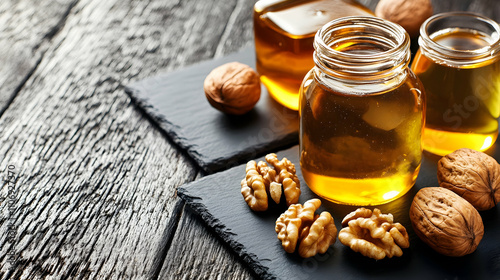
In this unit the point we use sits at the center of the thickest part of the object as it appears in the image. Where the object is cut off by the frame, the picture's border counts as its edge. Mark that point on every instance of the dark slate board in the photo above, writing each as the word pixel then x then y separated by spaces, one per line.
pixel 217 199
pixel 216 141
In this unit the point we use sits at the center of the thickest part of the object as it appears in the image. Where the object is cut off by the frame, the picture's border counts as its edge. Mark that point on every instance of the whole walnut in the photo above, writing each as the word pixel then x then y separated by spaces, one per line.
pixel 446 222
pixel 233 88
pixel 473 175
pixel 410 14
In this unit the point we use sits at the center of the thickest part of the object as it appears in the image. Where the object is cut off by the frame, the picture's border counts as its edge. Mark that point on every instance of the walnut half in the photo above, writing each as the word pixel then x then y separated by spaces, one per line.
pixel 262 181
pixel 253 188
pixel 373 234
pixel 285 170
pixel 300 225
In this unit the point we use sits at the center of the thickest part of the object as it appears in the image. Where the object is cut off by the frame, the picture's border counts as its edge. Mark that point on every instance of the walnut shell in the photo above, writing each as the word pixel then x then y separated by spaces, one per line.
pixel 233 88
pixel 446 222
pixel 410 14
pixel 473 175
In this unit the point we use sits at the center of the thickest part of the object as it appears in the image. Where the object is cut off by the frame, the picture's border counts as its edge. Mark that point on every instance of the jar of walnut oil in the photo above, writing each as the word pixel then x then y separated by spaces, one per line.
pixel 362 113
pixel 459 64
pixel 284 33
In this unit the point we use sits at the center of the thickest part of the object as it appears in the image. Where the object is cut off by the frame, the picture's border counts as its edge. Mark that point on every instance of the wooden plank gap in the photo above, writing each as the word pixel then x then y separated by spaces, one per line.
pixel 20 86
pixel 46 38
pixel 168 236
pixel 60 24
pixel 165 135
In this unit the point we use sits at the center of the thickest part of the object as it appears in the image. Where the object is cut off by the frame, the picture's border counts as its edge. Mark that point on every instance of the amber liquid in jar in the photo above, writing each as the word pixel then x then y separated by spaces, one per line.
pixel 284 34
pixel 362 113
pixel 463 103
pixel 342 164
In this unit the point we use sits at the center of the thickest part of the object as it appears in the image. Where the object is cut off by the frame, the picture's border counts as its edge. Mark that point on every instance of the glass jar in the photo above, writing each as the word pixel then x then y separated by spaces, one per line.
pixel 362 113
pixel 284 34
pixel 459 64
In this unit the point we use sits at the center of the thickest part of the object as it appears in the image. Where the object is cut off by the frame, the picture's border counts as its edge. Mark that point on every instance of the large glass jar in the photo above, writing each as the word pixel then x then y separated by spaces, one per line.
pixel 362 113
pixel 284 34
pixel 459 64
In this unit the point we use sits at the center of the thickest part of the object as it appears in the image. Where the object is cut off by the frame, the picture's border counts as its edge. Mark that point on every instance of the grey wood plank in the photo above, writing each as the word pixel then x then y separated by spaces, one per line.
pixel 167 239
pixel 26 28
pixel 196 253
pixel 95 181
pixel 96 186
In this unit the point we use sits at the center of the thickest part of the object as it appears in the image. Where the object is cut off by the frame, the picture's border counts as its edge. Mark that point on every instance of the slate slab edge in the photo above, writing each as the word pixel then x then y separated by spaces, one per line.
pixel 139 93
pixel 222 231
pixel 152 113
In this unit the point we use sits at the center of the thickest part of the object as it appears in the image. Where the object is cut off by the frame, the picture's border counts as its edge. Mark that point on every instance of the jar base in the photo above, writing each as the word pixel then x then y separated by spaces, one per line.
pixel 360 192
pixel 441 142
pixel 285 91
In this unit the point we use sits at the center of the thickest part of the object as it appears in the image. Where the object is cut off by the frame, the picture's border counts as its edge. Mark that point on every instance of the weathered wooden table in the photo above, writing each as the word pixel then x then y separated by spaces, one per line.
pixel 88 182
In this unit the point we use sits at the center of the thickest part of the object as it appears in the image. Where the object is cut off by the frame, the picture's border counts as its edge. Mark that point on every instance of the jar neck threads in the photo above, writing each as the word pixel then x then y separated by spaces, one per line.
pixel 361 49
pixel 483 30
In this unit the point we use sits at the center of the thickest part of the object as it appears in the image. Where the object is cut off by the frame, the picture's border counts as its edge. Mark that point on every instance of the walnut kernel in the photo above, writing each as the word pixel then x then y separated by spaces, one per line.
pixel 473 175
pixel 446 222
pixel 275 180
pixel 253 188
pixel 233 88
pixel 286 176
pixel 410 14
pixel 300 225
pixel 373 234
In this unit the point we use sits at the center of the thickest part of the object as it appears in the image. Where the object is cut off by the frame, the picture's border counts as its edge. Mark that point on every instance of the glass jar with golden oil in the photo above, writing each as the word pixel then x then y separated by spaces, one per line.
pixel 362 113
pixel 284 33
pixel 459 64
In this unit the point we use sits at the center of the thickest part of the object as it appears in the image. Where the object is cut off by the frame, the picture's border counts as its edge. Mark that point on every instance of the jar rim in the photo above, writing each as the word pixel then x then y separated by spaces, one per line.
pixel 398 32
pixel 459 56
pixel 362 46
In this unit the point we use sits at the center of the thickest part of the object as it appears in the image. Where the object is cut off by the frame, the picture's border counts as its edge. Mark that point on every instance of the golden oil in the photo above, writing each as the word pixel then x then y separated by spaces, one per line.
pixel 284 34
pixel 460 69
pixel 361 114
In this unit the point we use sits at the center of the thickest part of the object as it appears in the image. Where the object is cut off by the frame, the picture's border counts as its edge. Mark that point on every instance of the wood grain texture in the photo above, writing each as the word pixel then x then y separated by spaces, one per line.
pixel 195 253
pixel 198 254
pixel 96 182
pixel 26 29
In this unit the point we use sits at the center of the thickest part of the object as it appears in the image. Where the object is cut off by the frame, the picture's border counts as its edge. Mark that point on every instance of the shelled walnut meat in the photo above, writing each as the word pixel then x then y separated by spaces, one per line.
pixel 233 88
pixel 301 226
pixel 473 175
pixel 373 234
pixel 446 222
pixel 262 181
